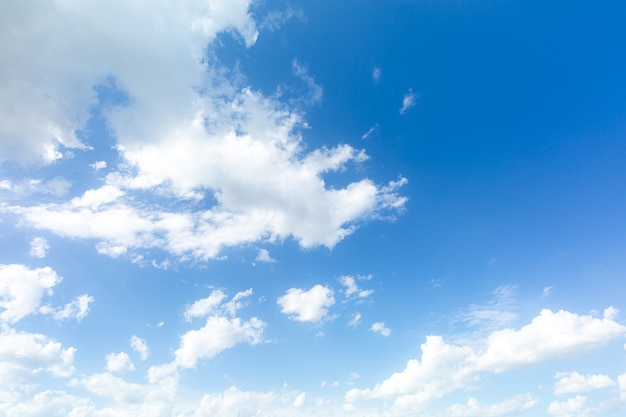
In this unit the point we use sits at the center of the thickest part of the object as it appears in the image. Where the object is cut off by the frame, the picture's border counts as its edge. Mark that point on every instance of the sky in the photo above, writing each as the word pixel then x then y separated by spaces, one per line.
pixel 292 208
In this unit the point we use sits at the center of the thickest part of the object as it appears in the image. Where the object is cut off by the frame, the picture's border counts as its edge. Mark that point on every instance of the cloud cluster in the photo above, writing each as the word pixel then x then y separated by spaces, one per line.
pixel 186 131
pixel 445 367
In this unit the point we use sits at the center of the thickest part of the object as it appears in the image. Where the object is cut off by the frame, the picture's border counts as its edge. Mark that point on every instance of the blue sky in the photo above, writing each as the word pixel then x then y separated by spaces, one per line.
pixel 384 209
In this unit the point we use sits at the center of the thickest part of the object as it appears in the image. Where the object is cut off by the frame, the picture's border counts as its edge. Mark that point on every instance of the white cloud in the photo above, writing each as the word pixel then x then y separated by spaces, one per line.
pixel 547 291
pixel 315 92
pixel 311 305
pixel 76 309
pixel 621 380
pixel 21 290
pixel 571 407
pixel 276 19
pixel 140 346
pixel 300 400
pixel 46 97
pixel 370 132
pixel 205 306
pixel 352 289
pixel 379 327
pixel 548 335
pixel 355 320
pixel 234 401
pixel 115 388
pixel 98 165
pixel 218 334
pixel 186 132
pixel 446 367
pixel 119 363
pixel 376 73
pixel 409 100
pixel 510 407
pixel 574 383
pixel 24 354
pixel 51 403
pixel 38 247
pixel 263 255
pixel 497 313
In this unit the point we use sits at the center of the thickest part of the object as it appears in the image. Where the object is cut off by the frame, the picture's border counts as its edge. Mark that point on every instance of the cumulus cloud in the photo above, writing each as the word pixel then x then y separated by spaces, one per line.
pixel 21 290
pixel 409 100
pixel 379 327
pixel 303 305
pixel 445 367
pixel 46 97
pixel 263 255
pixel 140 346
pixel 51 403
pixel 119 363
pixel 574 383
pixel 300 400
pixel 23 354
pixel 187 132
pixel 38 247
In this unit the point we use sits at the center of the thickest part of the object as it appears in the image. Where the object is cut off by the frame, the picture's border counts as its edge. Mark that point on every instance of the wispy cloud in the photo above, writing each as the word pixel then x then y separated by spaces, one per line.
pixel 376 73
pixel 409 100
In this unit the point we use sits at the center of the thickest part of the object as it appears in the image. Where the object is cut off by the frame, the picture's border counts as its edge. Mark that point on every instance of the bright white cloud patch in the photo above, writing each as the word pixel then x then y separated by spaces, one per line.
pixel 140 346
pixel 119 363
pixel 511 407
pixel 21 290
pixel 303 305
pixel 574 383
pixel 186 132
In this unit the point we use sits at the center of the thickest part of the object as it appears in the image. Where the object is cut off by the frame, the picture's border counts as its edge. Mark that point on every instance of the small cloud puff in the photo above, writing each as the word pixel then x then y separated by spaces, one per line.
pixel 409 100
pixel 263 255
pixel 379 327
pixel 303 305
pixel 376 73
pixel 140 346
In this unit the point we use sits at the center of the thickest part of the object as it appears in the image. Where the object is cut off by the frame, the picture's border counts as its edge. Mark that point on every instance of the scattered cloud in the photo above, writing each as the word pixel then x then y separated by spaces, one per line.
pixel 98 165
pixel 263 255
pixel 39 247
pixel 409 100
pixel 376 73
pixel 575 383
pixel 140 346
pixel 303 305
pixel 352 290
pixel 370 132
pixel 119 363
pixel 355 320
pixel 547 291
pixel 315 92
pixel 76 309
pixel 379 327
pixel 445 367
pixel 277 19
pixel 497 313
